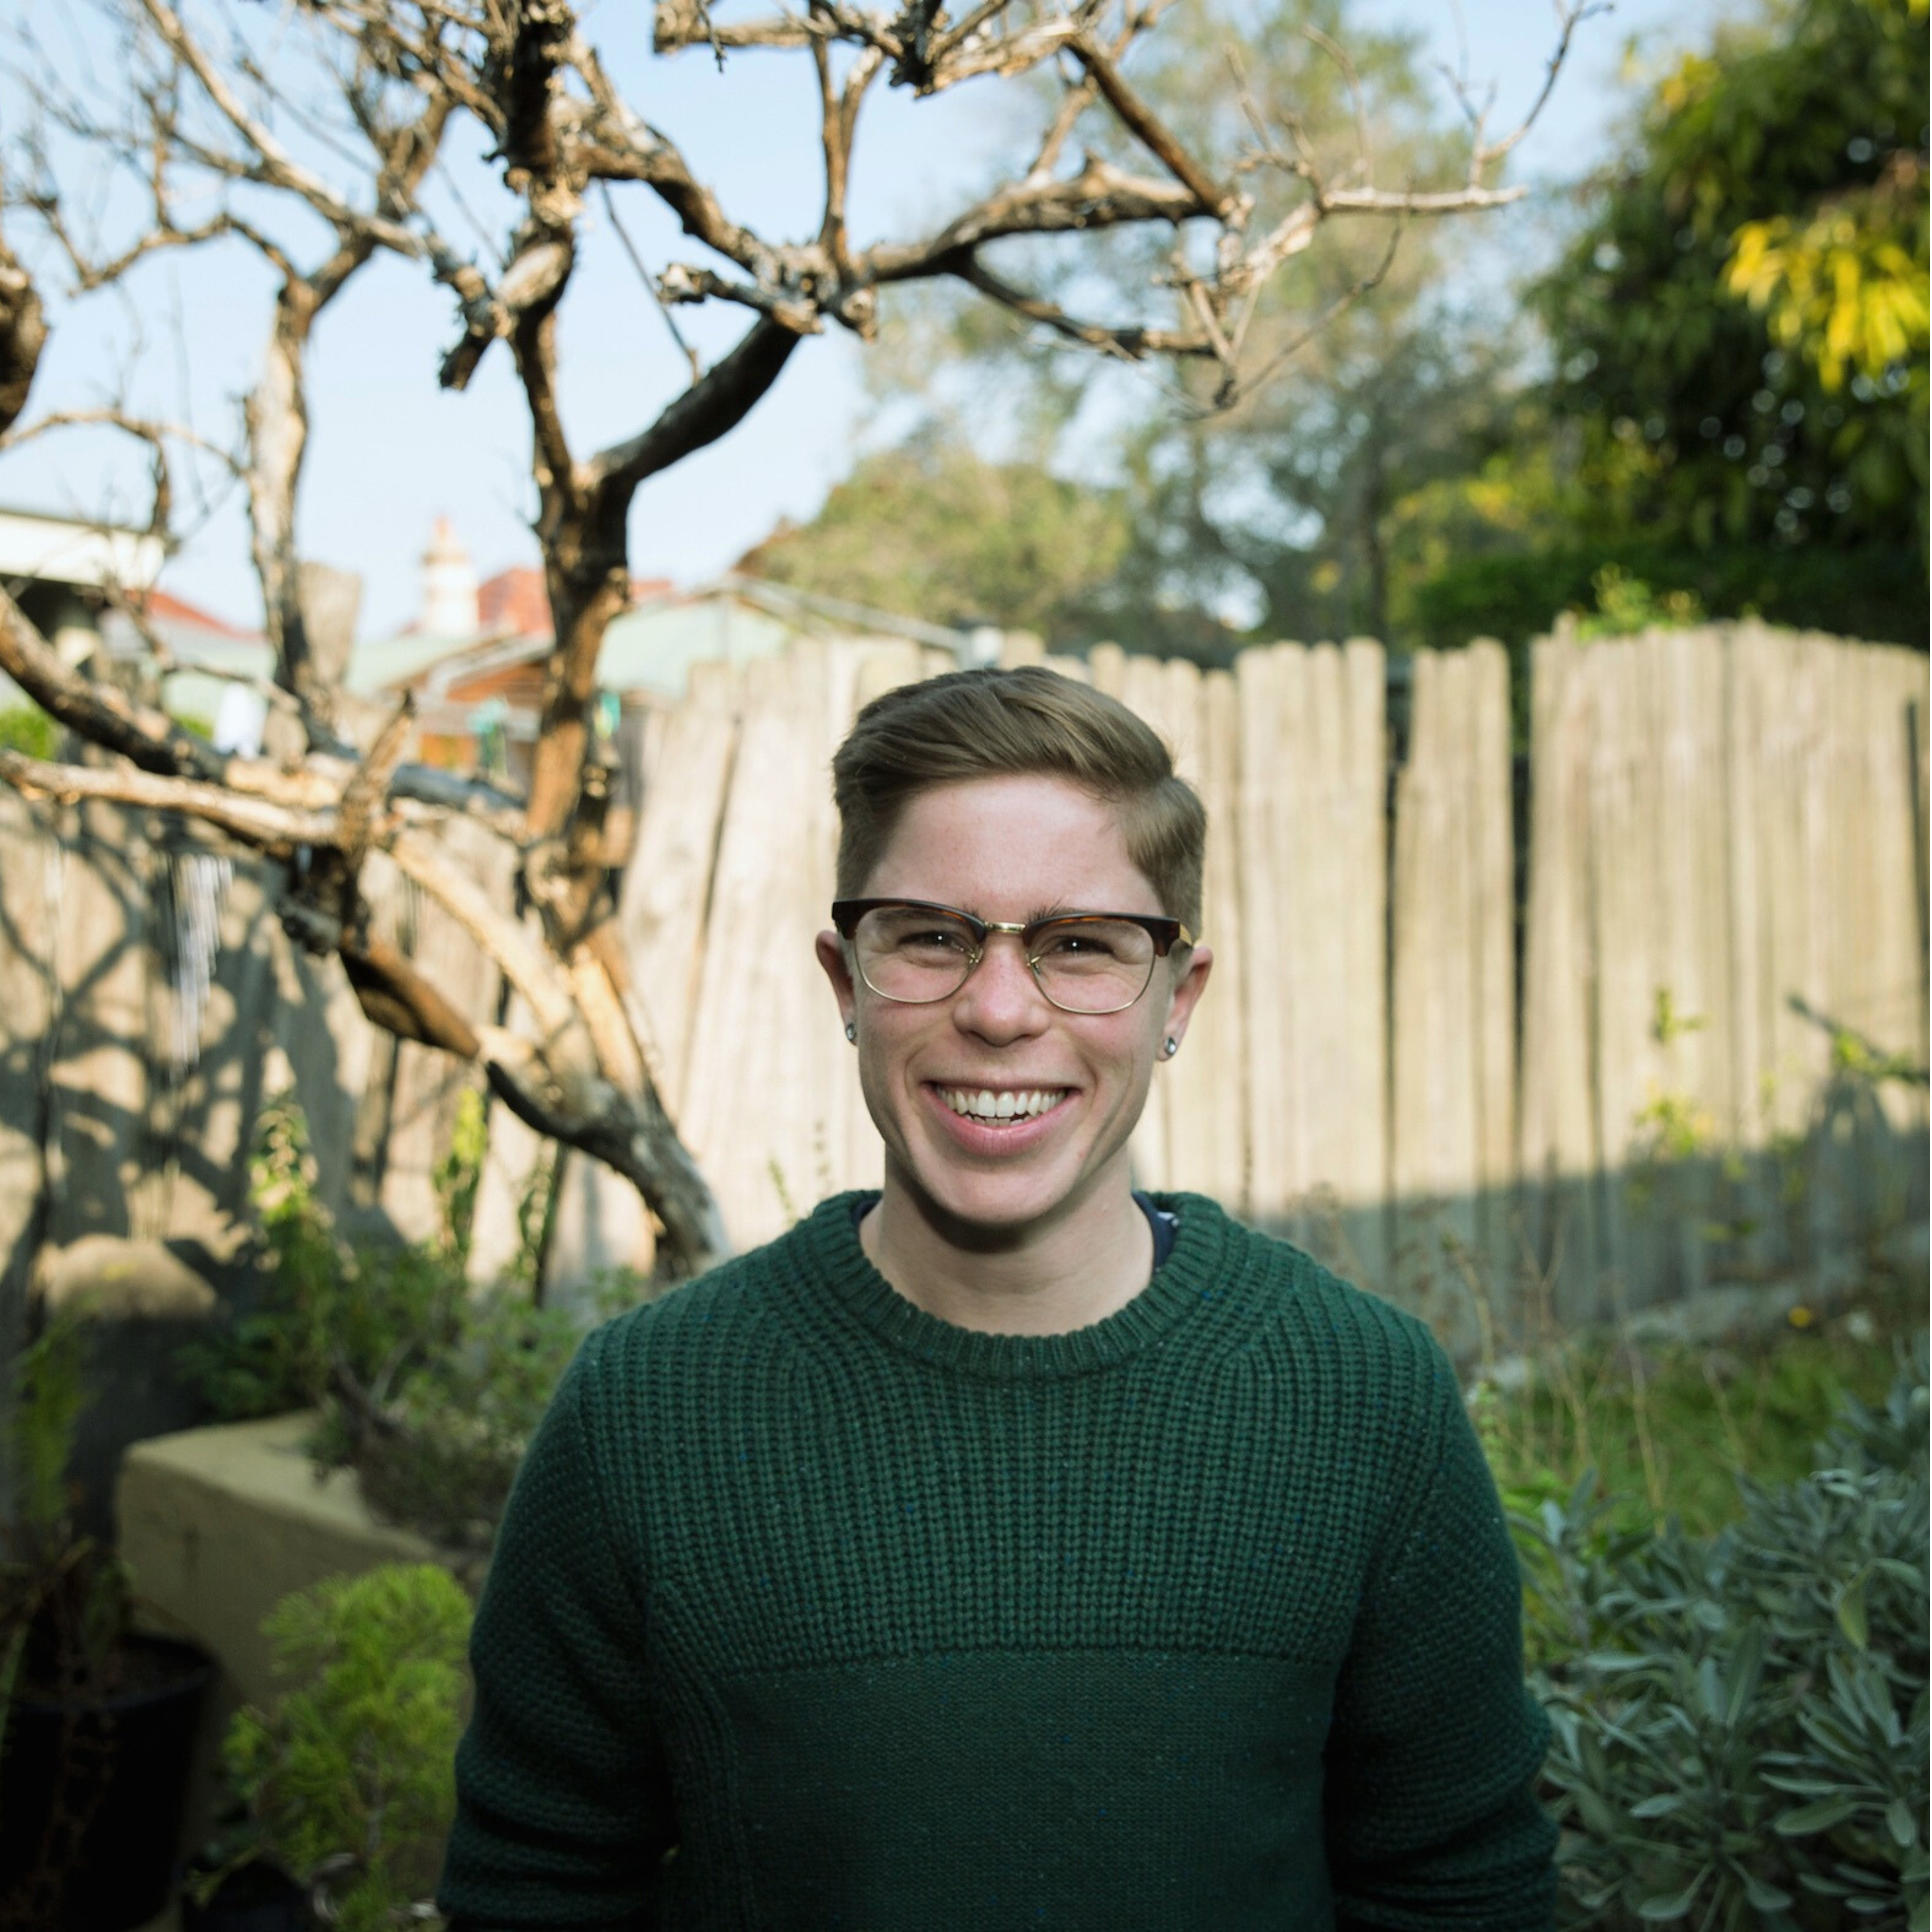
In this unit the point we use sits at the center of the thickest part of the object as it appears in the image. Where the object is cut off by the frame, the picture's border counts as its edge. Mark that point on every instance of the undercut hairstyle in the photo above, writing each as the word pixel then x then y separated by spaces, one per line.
pixel 1026 722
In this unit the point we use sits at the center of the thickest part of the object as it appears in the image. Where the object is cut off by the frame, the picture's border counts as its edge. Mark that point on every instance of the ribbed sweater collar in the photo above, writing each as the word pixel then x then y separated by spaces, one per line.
pixel 832 1272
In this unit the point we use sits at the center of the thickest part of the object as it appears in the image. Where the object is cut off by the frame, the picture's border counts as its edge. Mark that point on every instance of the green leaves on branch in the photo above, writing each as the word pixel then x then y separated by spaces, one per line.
pixel 1847 289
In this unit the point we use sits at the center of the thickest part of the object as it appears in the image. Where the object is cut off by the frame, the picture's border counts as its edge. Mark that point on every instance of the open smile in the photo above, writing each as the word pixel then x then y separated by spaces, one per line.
pixel 1002 1121
pixel 992 1105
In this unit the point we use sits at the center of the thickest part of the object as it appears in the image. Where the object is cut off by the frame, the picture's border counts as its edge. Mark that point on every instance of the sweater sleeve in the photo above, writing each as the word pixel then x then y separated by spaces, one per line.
pixel 1435 1743
pixel 564 1811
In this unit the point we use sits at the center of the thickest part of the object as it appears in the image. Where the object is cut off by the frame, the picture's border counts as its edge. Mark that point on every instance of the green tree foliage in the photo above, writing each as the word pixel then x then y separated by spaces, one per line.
pixel 1727 405
pixel 931 529
pixel 1310 496
pixel 1214 526
pixel 1738 331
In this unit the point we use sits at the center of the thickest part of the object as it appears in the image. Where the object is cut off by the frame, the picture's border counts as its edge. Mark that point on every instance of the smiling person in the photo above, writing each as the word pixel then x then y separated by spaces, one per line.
pixel 1008 1546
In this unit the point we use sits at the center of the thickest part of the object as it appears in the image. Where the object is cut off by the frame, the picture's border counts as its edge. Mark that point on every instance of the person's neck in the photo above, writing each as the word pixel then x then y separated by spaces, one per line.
pixel 1077 1268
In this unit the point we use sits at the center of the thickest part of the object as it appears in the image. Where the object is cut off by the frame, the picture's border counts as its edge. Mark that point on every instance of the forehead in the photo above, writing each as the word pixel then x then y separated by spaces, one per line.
pixel 1012 847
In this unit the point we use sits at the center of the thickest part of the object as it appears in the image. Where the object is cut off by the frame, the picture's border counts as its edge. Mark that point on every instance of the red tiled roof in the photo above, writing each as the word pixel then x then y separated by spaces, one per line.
pixel 515 601
pixel 163 607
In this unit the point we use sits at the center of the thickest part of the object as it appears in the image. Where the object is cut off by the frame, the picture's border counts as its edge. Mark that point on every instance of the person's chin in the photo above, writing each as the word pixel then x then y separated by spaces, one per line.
pixel 1000 1199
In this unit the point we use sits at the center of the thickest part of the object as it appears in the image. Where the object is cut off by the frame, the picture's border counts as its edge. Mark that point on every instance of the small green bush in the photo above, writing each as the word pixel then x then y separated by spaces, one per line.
pixel 349 1780
pixel 1740 1719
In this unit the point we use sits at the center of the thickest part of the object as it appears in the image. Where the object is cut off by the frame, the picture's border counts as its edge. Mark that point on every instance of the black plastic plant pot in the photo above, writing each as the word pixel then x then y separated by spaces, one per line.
pixel 256 1897
pixel 91 1795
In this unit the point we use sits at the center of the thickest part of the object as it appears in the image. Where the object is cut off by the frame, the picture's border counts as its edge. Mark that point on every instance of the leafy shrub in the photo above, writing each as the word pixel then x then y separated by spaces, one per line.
pixel 429 1388
pixel 349 1781
pixel 442 1452
pixel 327 1313
pixel 1741 1720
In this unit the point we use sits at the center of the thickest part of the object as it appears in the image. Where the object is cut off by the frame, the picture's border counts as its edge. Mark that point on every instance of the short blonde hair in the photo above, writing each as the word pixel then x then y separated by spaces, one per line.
pixel 1024 722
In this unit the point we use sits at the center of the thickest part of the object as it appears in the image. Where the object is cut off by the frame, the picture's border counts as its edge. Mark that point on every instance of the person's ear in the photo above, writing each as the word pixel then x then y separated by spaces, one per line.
pixel 831 951
pixel 1187 991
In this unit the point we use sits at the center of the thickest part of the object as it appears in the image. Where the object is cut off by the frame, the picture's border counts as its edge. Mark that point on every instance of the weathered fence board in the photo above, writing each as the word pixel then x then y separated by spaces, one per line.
pixel 669 876
pixel 1453 992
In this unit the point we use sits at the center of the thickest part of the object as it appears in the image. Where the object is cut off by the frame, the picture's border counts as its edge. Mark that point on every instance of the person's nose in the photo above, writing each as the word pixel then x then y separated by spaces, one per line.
pixel 1001 1000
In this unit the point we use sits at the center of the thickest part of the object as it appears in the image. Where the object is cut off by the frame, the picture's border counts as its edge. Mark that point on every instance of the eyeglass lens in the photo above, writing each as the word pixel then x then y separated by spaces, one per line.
pixel 1085 965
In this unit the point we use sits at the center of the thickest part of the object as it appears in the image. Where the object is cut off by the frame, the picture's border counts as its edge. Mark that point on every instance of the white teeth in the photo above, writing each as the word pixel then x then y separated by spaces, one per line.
pixel 983 1104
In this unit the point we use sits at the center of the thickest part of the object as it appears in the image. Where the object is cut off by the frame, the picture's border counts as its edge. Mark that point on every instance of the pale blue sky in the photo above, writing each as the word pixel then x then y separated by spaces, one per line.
pixel 389 451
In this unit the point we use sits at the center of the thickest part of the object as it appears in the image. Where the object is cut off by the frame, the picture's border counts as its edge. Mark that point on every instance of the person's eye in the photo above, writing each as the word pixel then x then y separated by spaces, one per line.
pixel 1078 946
pixel 931 939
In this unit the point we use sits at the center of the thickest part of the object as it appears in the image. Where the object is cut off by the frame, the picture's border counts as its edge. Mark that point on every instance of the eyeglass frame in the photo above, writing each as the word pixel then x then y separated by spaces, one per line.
pixel 1166 932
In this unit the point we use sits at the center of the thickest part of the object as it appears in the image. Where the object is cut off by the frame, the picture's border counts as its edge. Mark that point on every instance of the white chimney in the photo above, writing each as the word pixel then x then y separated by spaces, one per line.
pixel 449 586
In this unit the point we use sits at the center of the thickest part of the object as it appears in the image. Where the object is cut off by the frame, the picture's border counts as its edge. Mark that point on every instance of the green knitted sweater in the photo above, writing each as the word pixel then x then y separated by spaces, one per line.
pixel 811 1610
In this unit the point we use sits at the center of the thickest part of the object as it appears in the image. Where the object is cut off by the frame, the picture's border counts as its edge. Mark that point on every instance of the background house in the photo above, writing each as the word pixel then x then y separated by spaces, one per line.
pixel 89 587
pixel 474 658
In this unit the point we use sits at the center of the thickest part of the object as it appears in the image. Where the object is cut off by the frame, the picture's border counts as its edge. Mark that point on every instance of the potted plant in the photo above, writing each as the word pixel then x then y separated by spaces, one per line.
pixel 97 1720
pixel 348 1783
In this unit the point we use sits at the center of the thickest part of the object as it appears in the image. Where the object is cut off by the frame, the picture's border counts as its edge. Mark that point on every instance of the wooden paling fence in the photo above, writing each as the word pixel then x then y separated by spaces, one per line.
pixel 1658 1021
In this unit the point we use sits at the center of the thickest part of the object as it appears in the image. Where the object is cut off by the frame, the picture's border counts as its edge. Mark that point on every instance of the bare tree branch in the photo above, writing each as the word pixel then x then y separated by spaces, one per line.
pixel 1134 342
pixel 687 23
pixel 99 712
pixel 644 275
pixel 1101 195
pixel 150 430
pixel 838 120
pixel 1570 14
pixel 555 1082
pixel 23 334
pixel 703 413
pixel 278 168
pixel 264 825
pixel 1141 121
pixel 682 284
pixel 1234 388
